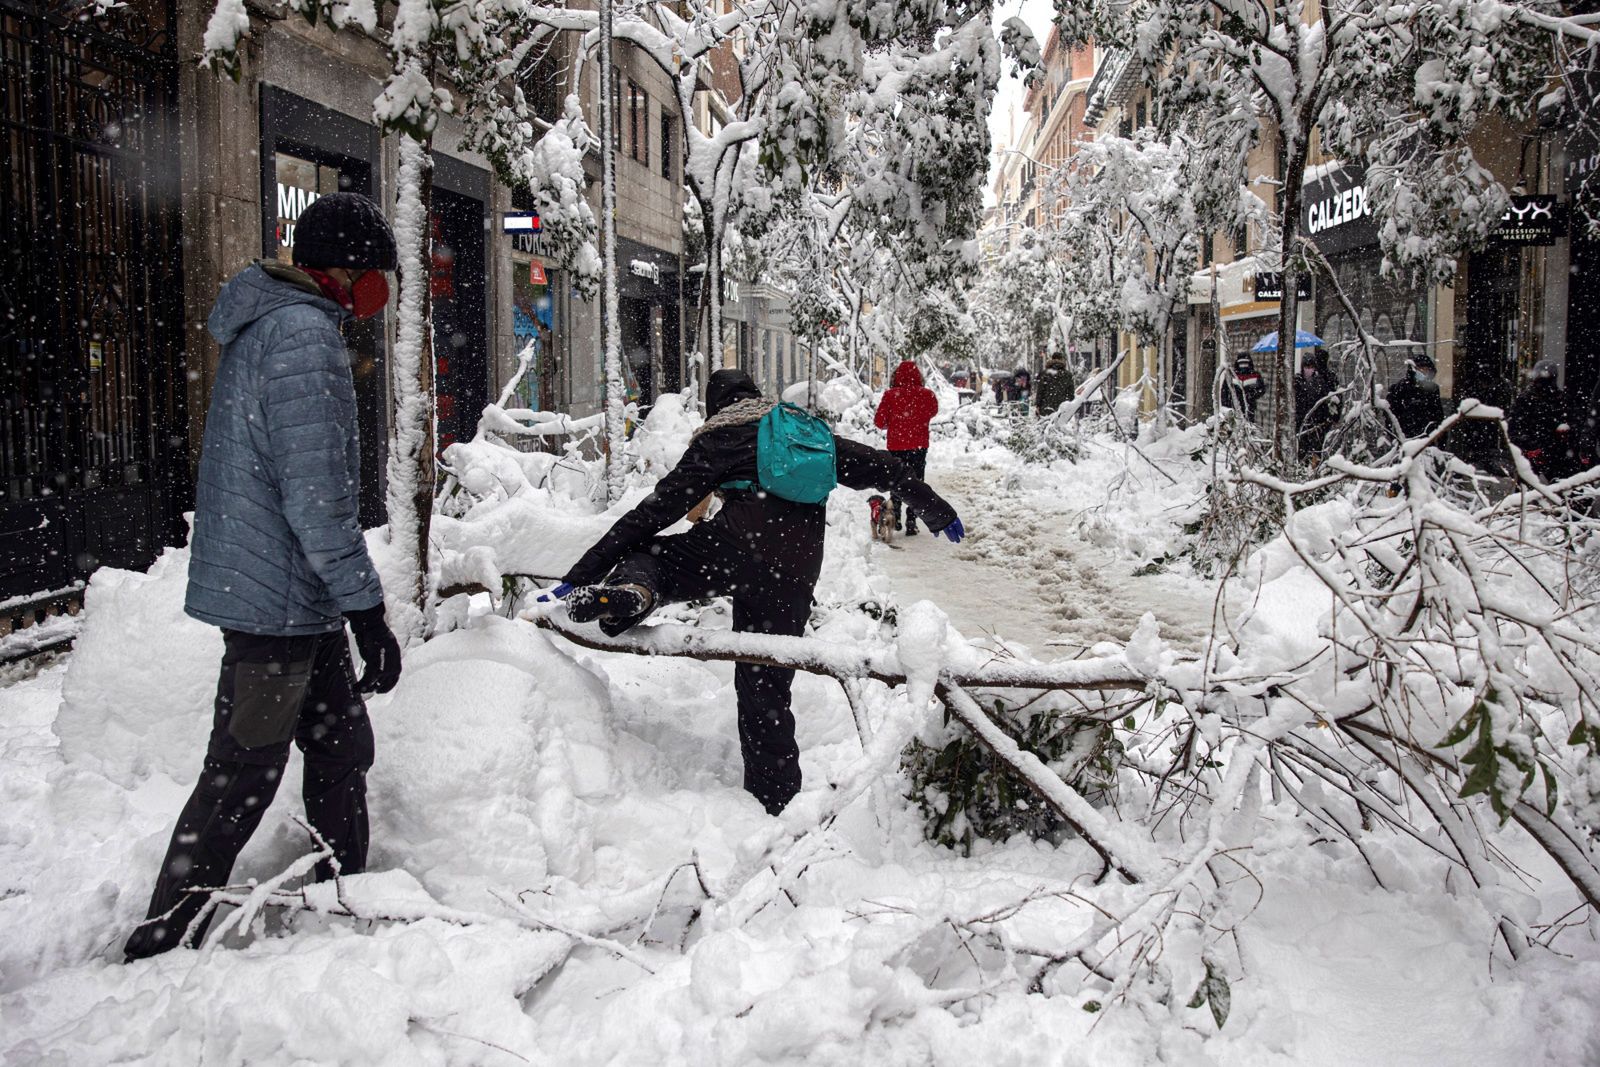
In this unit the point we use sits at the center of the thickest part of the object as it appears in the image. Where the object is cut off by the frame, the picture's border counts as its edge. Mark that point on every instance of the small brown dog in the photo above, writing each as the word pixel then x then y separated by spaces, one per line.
pixel 882 518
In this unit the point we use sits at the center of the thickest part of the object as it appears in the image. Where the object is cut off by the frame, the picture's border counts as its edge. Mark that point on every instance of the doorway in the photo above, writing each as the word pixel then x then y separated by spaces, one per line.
pixel 460 310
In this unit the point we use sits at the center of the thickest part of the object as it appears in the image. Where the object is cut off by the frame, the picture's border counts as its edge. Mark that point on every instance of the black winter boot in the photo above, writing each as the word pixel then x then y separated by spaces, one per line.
pixel 616 606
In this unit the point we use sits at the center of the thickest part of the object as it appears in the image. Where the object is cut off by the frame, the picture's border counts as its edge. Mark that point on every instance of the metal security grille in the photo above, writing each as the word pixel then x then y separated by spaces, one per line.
pixel 93 437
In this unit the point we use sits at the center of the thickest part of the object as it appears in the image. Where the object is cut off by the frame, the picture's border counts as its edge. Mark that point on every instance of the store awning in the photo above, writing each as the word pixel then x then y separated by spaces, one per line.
pixel 1234 283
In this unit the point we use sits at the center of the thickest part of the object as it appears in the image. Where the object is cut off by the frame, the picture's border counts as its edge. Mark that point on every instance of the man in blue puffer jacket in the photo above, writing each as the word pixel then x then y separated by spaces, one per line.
pixel 279 563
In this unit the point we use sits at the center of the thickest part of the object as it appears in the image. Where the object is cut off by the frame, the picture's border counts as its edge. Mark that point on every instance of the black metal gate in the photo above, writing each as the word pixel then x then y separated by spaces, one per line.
pixel 93 435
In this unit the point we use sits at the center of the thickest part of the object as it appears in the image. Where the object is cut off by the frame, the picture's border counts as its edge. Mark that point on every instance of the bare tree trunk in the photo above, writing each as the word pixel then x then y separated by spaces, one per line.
pixel 714 222
pixel 411 447
pixel 1284 450
pixel 811 374
pixel 611 342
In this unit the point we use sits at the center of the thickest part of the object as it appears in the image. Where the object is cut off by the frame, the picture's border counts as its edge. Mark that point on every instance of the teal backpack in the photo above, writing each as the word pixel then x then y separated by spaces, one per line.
pixel 795 456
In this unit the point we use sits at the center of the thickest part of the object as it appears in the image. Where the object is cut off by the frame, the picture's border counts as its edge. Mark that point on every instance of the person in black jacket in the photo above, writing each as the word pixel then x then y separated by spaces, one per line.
pixel 1056 387
pixel 1539 425
pixel 1414 400
pixel 764 551
pixel 1316 404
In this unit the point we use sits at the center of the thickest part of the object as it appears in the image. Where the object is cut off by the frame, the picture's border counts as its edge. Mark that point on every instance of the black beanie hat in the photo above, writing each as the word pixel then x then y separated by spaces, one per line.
pixel 344 230
pixel 726 386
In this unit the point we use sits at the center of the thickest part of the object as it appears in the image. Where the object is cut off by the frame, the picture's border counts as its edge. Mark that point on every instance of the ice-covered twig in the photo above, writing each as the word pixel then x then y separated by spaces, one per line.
pixel 543 922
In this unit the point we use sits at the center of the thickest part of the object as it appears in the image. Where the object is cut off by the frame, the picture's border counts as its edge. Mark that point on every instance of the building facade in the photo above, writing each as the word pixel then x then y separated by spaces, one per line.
pixel 134 183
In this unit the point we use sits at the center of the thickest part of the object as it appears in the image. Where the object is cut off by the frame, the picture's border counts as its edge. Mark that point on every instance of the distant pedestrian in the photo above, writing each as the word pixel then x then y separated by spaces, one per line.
pixel 1315 405
pixel 278 561
pixel 1539 425
pixel 1056 386
pixel 1001 385
pixel 1021 387
pixel 1414 399
pixel 905 411
pixel 1244 390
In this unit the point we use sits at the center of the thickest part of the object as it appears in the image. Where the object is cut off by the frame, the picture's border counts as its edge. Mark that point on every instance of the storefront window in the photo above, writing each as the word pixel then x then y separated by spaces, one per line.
pixel 533 322
pixel 300 183
pixel 1390 310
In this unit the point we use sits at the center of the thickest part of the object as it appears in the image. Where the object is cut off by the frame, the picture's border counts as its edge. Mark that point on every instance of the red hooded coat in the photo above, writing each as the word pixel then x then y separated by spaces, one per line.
pixel 906 409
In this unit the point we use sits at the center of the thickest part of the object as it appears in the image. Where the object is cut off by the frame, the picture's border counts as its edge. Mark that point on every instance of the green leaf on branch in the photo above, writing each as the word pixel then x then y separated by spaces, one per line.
pixel 1464 729
pixel 1218 994
pixel 1551 792
pixel 1484 770
pixel 1580 734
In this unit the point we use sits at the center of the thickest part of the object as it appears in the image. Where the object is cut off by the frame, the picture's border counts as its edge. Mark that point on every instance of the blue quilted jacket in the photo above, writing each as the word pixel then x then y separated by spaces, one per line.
pixel 277 548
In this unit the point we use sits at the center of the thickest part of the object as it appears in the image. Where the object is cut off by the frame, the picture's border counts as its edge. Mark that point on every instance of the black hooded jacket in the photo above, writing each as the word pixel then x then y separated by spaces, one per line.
pixel 785 536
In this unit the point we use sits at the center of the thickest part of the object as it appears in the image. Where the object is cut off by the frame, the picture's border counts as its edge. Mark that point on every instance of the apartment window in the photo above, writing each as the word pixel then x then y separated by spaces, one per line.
pixel 616 109
pixel 666 145
pixel 1140 116
pixel 638 124
pixel 1237 237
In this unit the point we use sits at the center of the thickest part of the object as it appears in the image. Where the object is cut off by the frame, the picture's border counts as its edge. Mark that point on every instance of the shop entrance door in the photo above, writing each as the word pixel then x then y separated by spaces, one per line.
pixel 1487 369
pixel 637 354
pixel 460 308
pixel 94 466
pixel 1487 364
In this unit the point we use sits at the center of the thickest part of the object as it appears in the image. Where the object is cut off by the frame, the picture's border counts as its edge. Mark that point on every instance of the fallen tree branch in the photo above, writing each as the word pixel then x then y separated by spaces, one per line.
pixel 842 662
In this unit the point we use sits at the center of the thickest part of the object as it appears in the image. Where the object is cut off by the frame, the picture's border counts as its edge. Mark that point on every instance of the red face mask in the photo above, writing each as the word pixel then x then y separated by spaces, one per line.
pixel 369 295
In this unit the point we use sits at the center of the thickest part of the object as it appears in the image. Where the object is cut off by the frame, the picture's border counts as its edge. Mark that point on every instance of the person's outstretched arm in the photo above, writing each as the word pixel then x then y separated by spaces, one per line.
pixel 696 475
pixel 862 467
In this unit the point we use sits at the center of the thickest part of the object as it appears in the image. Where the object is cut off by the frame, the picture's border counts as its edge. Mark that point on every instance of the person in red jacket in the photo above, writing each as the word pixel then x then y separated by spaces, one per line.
pixel 905 411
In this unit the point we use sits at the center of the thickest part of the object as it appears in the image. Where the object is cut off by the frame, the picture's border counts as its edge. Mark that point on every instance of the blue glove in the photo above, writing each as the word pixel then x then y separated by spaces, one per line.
pixel 558 593
pixel 955 531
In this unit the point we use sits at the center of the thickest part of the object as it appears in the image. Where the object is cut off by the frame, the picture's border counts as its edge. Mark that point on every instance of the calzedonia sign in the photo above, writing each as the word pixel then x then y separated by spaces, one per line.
pixel 1336 213
pixel 1269 285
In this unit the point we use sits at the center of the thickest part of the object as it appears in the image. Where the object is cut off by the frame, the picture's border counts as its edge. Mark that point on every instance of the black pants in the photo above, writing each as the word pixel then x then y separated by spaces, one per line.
pixel 915 461
pixel 273 690
pixel 702 563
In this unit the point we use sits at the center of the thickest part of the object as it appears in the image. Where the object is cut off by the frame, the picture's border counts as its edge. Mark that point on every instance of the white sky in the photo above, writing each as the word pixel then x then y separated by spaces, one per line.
pixel 1007 115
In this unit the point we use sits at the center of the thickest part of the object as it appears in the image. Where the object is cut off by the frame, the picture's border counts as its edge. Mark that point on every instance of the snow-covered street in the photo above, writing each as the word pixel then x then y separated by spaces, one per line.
pixel 1040 567
pixel 535 806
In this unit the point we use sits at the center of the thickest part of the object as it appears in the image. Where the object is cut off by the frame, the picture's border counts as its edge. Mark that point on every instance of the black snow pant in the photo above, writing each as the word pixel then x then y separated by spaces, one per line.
pixel 273 690
pixel 704 563
pixel 915 461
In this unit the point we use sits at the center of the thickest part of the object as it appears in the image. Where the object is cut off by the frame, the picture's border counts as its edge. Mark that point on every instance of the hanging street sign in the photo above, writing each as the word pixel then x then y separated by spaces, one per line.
pixel 1269 285
pixel 520 222
pixel 1532 220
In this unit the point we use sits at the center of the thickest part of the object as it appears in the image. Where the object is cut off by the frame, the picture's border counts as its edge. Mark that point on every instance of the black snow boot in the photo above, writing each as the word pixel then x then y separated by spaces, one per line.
pixel 617 607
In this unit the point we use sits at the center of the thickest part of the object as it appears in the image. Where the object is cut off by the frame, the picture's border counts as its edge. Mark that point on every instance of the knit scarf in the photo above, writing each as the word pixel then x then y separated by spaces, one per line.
pixel 752 409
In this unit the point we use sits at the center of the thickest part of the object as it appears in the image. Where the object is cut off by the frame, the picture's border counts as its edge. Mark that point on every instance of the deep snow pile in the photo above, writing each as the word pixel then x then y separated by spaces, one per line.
pixel 534 807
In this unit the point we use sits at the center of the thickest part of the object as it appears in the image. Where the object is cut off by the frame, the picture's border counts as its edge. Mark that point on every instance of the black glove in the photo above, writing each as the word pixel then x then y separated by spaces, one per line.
pixel 380 652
